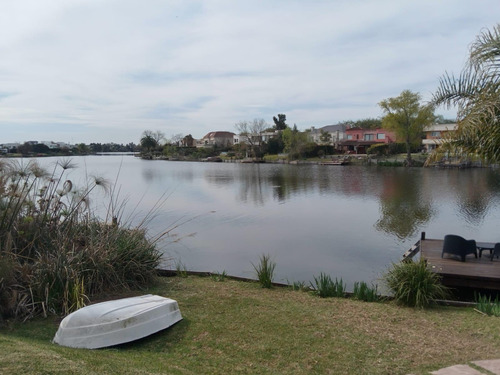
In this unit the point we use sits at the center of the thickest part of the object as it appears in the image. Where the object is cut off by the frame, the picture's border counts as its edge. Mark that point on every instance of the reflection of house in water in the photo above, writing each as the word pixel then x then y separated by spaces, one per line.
pixel 434 135
pixel 358 140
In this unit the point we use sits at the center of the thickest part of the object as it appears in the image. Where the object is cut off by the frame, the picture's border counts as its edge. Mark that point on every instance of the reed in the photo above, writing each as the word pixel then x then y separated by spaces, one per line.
pixel 325 287
pixel 265 271
pixel 219 276
pixel 487 306
pixel 363 292
pixel 55 251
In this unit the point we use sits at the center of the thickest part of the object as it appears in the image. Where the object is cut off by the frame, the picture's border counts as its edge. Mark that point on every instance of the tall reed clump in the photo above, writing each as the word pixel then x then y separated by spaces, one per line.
pixel 325 287
pixel 413 284
pixel 363 292
pixel 265 271
pixel 55 251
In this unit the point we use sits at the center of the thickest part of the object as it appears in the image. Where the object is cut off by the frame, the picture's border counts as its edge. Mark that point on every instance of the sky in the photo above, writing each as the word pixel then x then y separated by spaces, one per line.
pixel 102 71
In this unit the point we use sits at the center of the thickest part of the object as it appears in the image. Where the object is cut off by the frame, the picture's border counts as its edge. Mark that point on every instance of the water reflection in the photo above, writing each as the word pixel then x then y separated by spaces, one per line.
pixel 473 197
pixel 350 222
pixel 404 209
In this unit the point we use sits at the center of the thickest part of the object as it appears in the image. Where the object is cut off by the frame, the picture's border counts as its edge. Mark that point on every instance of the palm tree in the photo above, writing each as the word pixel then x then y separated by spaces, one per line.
pixel 476 94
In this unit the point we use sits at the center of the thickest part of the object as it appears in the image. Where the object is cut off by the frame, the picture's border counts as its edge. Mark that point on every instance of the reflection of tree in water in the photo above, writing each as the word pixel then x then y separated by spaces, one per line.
pixel 251 185
pixel 475 193
pixel 285 181
pixel 403 208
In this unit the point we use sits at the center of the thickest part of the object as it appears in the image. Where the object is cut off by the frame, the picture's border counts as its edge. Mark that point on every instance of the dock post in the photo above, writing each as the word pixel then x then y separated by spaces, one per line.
pixel 422 236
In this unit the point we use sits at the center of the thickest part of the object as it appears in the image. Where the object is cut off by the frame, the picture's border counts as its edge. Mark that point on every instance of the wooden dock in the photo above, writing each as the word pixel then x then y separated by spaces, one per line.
pixel 480 273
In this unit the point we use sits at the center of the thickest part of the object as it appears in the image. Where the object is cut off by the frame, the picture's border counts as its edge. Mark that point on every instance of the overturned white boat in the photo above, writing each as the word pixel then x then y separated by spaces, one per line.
pixel 117 322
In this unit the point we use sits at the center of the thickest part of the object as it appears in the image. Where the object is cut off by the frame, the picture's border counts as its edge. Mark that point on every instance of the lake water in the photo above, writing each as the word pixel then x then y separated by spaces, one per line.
pixel 348 221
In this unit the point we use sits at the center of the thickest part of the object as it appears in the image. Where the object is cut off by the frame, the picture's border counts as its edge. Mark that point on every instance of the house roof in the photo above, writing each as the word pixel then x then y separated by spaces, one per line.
pixel 330 128
pixel 441 127
pixel 219 134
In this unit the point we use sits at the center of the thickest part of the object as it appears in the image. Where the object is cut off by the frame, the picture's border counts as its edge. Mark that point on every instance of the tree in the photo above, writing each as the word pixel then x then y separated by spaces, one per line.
pixel 295 142
pixel 188 141
pixel 369 123
pixel 158 136
pixel 280 122
pixel 325 138
pixel 148 142
pixel 476 94
pixel 252 131
pixel 407 118
pixel 176 139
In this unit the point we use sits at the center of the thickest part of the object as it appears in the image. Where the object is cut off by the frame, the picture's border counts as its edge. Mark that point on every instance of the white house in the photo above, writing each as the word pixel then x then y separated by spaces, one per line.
pixel 434 135
pixel 337 134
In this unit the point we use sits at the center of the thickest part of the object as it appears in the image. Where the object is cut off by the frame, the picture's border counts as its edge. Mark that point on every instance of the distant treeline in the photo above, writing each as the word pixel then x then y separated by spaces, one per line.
pixel 30 148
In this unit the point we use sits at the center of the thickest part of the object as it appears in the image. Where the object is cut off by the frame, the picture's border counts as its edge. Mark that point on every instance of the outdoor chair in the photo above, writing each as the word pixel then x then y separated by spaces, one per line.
pixel 459 246
pixel 496 251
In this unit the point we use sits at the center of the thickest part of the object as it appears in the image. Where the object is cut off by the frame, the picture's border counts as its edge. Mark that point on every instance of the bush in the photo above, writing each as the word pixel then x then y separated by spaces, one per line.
pixel 378 149
pixel 265 271
pixel 325 287
pixel 413 284
pixel 57 251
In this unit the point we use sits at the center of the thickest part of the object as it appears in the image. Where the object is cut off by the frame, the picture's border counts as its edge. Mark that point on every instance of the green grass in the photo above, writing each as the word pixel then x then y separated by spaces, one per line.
pixel 239 328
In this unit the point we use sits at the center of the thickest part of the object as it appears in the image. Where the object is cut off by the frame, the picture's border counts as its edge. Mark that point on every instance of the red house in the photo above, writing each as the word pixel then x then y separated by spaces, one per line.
pixel 358 140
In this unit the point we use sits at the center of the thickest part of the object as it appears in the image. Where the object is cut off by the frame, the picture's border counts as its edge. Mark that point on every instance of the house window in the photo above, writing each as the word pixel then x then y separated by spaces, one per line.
pixel 349 136
pixel 369 137
pixel 380 136
pixel 436 134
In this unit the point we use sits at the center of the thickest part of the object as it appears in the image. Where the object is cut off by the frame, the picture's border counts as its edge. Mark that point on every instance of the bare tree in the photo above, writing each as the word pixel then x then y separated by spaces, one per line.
pixel 252 131
pixel 176 139
pixel 157 135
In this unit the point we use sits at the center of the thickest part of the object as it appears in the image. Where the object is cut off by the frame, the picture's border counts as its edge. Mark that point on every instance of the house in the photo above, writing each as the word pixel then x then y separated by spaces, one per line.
pixel 217 138
pixel 255 138
pixel 358 140
pixel 10 147
pixel 336 132
pixel 434 135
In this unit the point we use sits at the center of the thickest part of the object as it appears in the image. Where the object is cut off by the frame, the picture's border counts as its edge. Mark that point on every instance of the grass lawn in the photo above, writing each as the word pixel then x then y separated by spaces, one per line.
pixel 237 327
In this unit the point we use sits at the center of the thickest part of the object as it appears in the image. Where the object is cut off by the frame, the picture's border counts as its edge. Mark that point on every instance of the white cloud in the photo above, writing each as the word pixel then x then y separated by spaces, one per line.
pixel 94 71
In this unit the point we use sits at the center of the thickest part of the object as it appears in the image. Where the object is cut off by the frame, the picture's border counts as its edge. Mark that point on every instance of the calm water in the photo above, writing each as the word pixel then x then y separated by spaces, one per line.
pixel 350 222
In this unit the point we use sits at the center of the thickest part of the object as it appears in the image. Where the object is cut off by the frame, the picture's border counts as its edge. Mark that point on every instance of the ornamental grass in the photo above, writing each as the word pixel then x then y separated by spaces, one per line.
pixel 54 250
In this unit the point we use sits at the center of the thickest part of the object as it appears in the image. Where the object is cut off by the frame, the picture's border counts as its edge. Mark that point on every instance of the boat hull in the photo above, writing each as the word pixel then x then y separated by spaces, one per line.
pixel 117 322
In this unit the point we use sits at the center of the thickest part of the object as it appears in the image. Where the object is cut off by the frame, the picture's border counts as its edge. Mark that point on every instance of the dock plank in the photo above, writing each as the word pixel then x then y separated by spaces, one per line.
pixel 477 273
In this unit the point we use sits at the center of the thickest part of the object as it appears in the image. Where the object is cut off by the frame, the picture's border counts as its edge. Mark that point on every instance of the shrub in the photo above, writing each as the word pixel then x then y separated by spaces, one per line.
pixel 387 163
pixel 56 250
pixel 378 149
pixel 413 284
pixel 363 292
pixel 325 287
pixel 265 271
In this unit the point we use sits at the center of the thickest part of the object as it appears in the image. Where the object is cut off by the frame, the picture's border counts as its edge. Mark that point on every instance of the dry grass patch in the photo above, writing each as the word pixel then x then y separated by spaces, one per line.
pixel 237 327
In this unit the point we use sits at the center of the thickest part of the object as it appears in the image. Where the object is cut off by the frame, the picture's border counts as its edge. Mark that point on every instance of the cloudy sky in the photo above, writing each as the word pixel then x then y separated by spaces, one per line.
pixel 106 70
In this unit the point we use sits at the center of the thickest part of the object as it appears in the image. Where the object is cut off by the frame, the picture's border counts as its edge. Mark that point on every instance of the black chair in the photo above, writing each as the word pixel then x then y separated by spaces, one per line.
pixel 496 251
pixel 459 246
